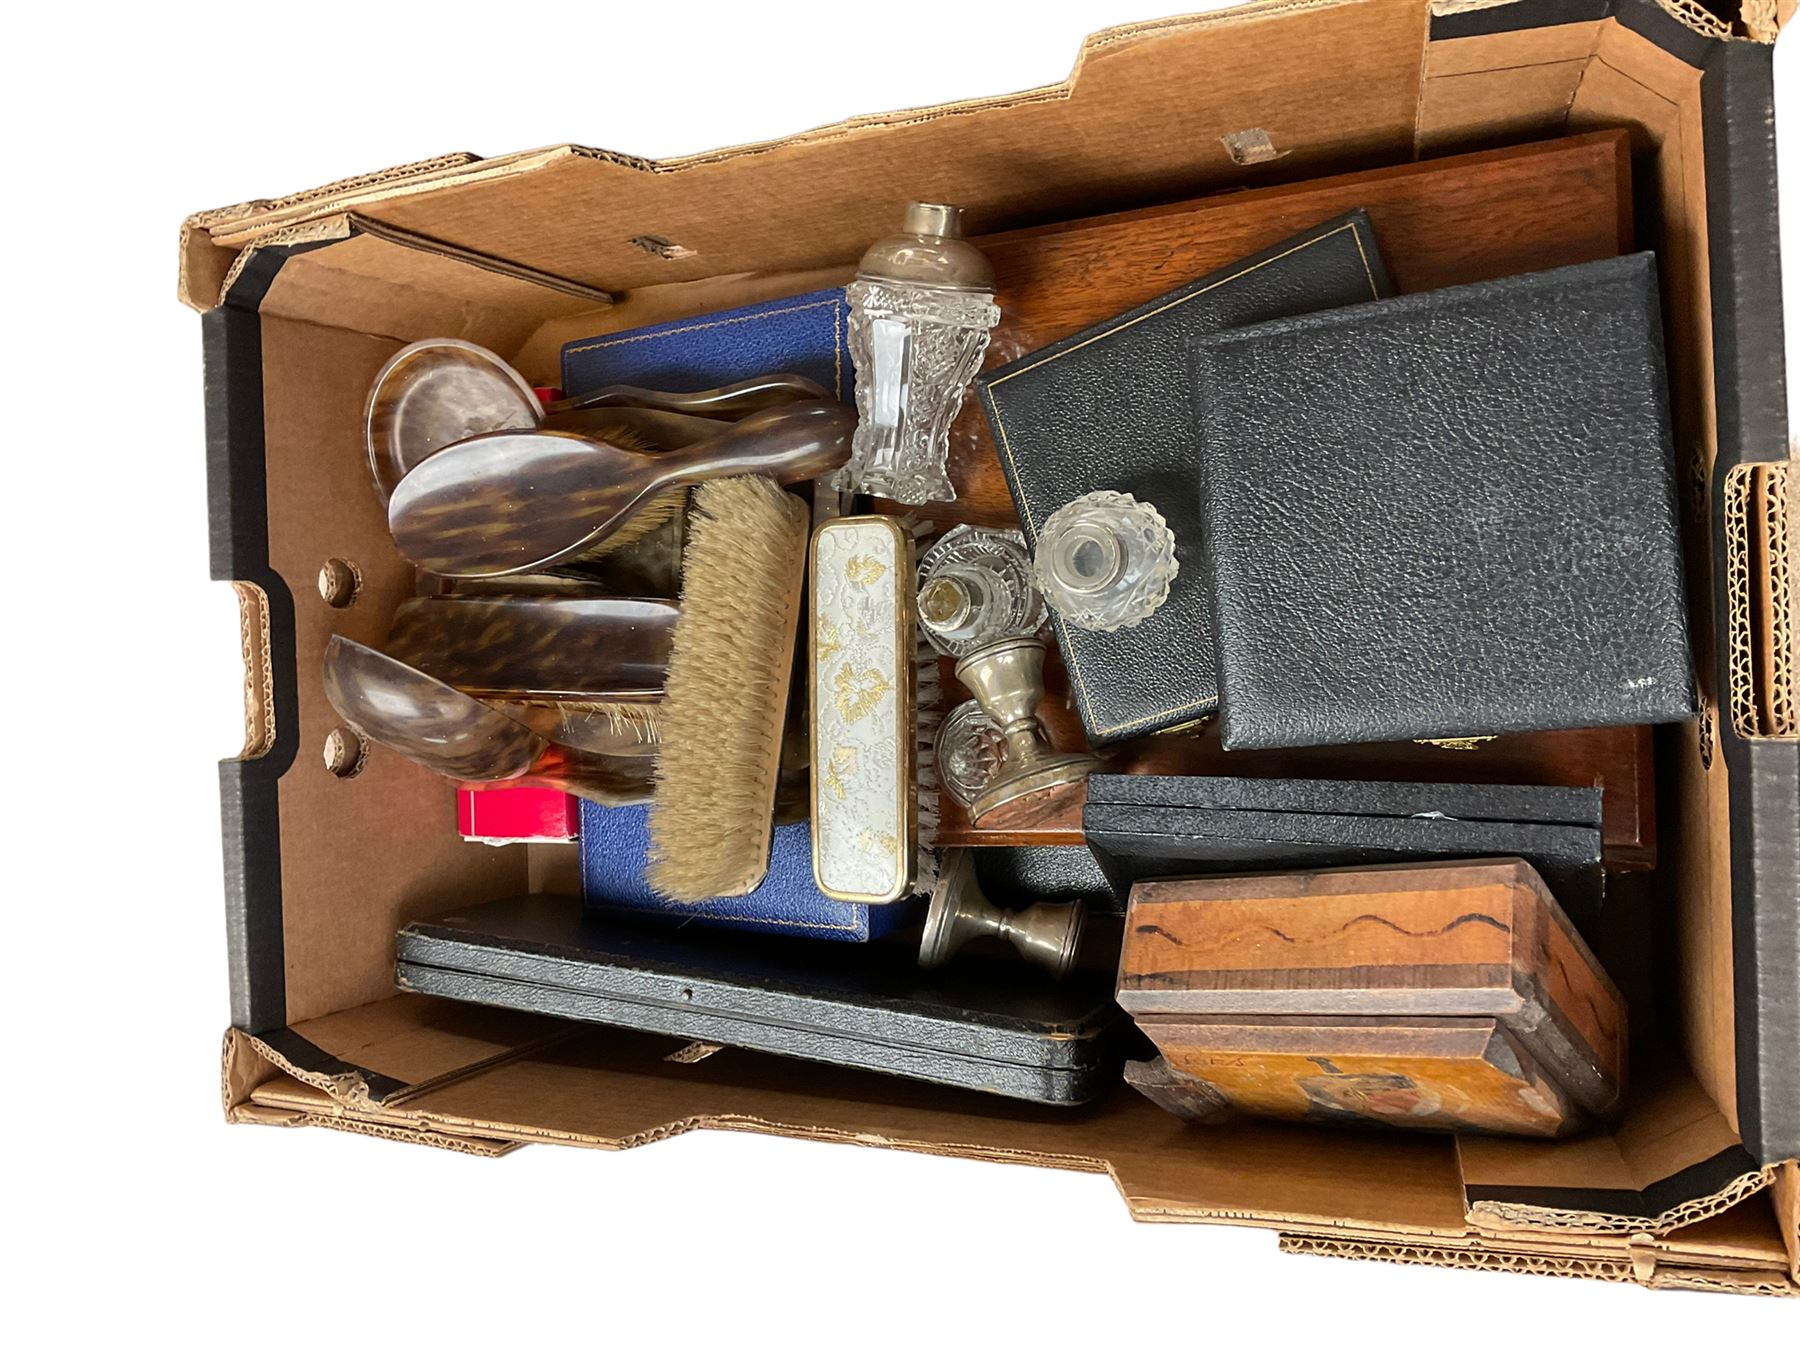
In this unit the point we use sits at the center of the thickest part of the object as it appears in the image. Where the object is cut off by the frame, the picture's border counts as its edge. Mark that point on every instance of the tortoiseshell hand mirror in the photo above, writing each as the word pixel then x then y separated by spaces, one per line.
pixel 443 390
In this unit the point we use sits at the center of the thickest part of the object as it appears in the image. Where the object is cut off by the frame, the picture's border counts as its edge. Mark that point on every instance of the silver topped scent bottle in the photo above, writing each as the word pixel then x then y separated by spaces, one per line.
pixel 921 309
pixel 975 587
pixel 1105 561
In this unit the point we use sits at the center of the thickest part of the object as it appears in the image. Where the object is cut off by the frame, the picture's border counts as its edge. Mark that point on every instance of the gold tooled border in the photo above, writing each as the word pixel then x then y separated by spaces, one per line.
pixel 906 826
pixel 1063 632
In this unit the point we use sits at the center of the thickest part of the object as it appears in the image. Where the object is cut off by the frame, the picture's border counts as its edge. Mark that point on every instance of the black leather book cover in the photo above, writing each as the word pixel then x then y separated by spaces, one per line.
pixel 1448 514
pixel 1108 408
pixel 1147 826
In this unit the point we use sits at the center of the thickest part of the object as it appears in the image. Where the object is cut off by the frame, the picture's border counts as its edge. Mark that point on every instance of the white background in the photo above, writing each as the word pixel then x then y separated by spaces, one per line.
pixel 130 1206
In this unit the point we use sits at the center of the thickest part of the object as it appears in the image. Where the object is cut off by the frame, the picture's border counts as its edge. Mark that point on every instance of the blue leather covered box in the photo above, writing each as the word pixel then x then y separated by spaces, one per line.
pixel 798 334
pixel 615 842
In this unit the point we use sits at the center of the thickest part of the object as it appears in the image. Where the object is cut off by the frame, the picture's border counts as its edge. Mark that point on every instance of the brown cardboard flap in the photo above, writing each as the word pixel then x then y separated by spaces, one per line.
pixel 378 280
pixel 1746 1236
pixel 1672 1161
pixel 1140 120
pixel 384 1052
pixel 617 1089
pixel 1785 1195
pixel 285 1101
pixel 1499 86
pixel 206 258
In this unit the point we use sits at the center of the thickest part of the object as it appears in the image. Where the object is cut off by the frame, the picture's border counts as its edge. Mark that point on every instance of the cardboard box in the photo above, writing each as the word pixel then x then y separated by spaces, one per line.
pixel 306 296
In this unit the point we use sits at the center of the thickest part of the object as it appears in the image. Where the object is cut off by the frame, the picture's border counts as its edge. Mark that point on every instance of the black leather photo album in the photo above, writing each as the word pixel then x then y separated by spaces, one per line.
pixel 1141 826
pixel 1447 514
pixel 1108 408
pixel 995 1026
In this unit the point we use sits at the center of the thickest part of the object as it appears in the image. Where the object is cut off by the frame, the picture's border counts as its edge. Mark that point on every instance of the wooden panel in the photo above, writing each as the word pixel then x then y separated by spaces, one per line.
pixel 1619 760
pixel 1441 223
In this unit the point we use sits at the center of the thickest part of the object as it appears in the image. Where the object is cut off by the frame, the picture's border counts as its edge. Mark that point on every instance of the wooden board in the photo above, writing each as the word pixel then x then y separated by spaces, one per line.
pixel 1440 223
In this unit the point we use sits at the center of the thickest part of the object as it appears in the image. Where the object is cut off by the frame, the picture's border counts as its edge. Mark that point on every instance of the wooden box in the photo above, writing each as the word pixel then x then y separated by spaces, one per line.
pixel 1424 996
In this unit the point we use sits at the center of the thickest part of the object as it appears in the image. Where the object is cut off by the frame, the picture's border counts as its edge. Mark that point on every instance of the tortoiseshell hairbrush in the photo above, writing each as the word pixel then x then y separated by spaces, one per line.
pixel 511 502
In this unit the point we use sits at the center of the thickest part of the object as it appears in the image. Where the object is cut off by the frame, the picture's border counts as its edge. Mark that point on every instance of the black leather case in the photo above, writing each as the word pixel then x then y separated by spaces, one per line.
pixel 1141 826
pixel 1056 872
pixel 1109 408
pixel 1001 1027
pixel 1447 514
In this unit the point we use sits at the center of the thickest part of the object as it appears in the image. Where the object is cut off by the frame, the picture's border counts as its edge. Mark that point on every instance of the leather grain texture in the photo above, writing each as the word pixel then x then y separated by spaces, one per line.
pixel 1108 407
pixel 615 844
pixel 1447 514
pixel 1142 826
pixel 1015 877
pixel 798 334
pixel 998 1027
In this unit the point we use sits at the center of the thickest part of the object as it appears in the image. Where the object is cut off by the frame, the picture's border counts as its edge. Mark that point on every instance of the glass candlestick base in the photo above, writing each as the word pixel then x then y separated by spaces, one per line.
pixel 1105 561
pixel 969 750
pixel 975 587
pixel 1007 678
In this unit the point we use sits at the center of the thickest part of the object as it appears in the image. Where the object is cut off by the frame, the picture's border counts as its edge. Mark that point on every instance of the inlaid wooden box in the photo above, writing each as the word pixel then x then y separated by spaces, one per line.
pixel 1425 996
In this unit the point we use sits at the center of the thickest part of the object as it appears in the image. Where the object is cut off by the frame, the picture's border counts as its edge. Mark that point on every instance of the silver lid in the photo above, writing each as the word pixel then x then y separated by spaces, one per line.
pixel 929 251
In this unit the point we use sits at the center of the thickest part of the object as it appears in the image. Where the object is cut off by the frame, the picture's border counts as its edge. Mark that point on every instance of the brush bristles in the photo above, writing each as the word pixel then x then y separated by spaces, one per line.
pixel 927 718
pixel 637 723
pixel 652 515
pixel 712 812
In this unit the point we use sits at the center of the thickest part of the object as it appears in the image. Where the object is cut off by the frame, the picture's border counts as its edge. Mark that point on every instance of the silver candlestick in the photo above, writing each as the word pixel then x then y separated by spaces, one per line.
pixel 1007 679
pixel 1044 934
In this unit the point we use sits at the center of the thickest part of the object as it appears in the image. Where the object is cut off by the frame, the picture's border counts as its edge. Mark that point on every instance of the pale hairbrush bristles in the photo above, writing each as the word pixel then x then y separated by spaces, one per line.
pixel 725 700
pixel 639 723
pixel 928 715
pixel 652 514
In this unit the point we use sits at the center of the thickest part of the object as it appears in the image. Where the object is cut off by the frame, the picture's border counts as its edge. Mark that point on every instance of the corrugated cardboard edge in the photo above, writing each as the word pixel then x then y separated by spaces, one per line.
pixel 1639 1268
pixel 231 229
pixel 222 217
pixel 352 1086
pixel 1513 1217
pixel 1462 1258
pixel 263 1087
pixel 1761 622
pixel 251 1113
